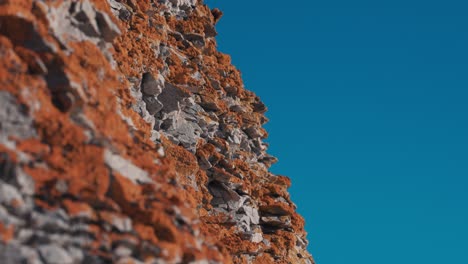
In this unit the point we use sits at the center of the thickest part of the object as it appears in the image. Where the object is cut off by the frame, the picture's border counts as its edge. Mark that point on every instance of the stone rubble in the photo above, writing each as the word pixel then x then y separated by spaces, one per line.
pixel 126 137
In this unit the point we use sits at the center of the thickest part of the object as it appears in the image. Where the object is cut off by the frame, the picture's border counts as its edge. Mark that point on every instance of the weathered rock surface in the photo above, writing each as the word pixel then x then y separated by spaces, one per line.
pixel 126 137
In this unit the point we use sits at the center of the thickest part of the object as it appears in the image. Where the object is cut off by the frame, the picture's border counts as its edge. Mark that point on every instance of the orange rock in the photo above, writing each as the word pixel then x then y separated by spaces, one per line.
pixel 6 232
pixel 83 99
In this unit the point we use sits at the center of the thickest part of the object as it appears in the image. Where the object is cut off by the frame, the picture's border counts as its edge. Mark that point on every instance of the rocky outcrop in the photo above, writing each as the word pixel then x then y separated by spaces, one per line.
pixel 126 137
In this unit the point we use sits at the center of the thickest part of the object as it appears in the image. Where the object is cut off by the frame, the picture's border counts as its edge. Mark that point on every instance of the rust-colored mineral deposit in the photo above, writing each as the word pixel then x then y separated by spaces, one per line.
pixel 126 137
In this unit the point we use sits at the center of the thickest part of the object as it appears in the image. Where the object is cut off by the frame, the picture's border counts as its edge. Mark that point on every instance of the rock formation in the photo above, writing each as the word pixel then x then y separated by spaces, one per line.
pixel 126 137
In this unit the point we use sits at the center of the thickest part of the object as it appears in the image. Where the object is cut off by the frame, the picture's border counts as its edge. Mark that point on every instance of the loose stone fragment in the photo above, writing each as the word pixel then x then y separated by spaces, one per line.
pixel 150 85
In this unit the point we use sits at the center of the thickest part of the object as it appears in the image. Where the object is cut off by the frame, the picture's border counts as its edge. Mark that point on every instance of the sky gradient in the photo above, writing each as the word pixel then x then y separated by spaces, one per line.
pixel 368 116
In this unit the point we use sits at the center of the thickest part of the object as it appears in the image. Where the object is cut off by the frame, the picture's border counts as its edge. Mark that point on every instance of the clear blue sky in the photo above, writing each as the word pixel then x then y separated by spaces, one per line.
pixel 368 108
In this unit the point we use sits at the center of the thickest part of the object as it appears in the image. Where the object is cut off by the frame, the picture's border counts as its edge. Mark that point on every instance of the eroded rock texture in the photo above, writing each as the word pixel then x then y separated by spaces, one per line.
pixel 126 137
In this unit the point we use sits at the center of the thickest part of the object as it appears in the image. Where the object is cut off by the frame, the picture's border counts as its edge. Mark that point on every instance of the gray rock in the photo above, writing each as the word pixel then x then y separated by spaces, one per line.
pixel 24 234
pixel 10 254
pixel 235 136
pixel 204 261
pixel 177 35
pixel 237 109
pixel 276 221
pixel 208 126
pixel 225 197
pixel 14 119
pixel 281 199
pixel 80 227
pixel 266 242
pixel 220 175
pixel 182 3
pixel 252 213
pixel 273 210
pixel 301 242
pixel 257 146
pixel 153 105
pixel 126 168
pixel 173 139
pixel 191 110
pixel 193 182
pixel 123 224
pixel 209 106
pixel 259 106
pixel 171 96
pixel 122 251
pixel 151 85
pixel 50 221
pixel 94 23
pixel 81 21
pixel 187 134
pixel 61 186
pixel 107 28
pixel 231 90
pixel 30 255
pixel 253 132
pixel 76 254
pixel 204 163
pixel 140 106
pixel 9 194
pixel 7 219
pixel 52 254
pixel 254 237
pixel 47 237
pixel 215 83
pixel 268 160
pixel 119 10
pixel 179 128
pixel 245 145
pixel 149 249
pixel 243 222
pixel 210 31
pixel 7 168
pixel 24 182
pixel 85 18
pixel 197 39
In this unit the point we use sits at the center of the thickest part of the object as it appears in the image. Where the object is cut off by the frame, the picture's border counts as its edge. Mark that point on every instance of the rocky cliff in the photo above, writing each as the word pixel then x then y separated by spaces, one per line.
pixel 126 137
